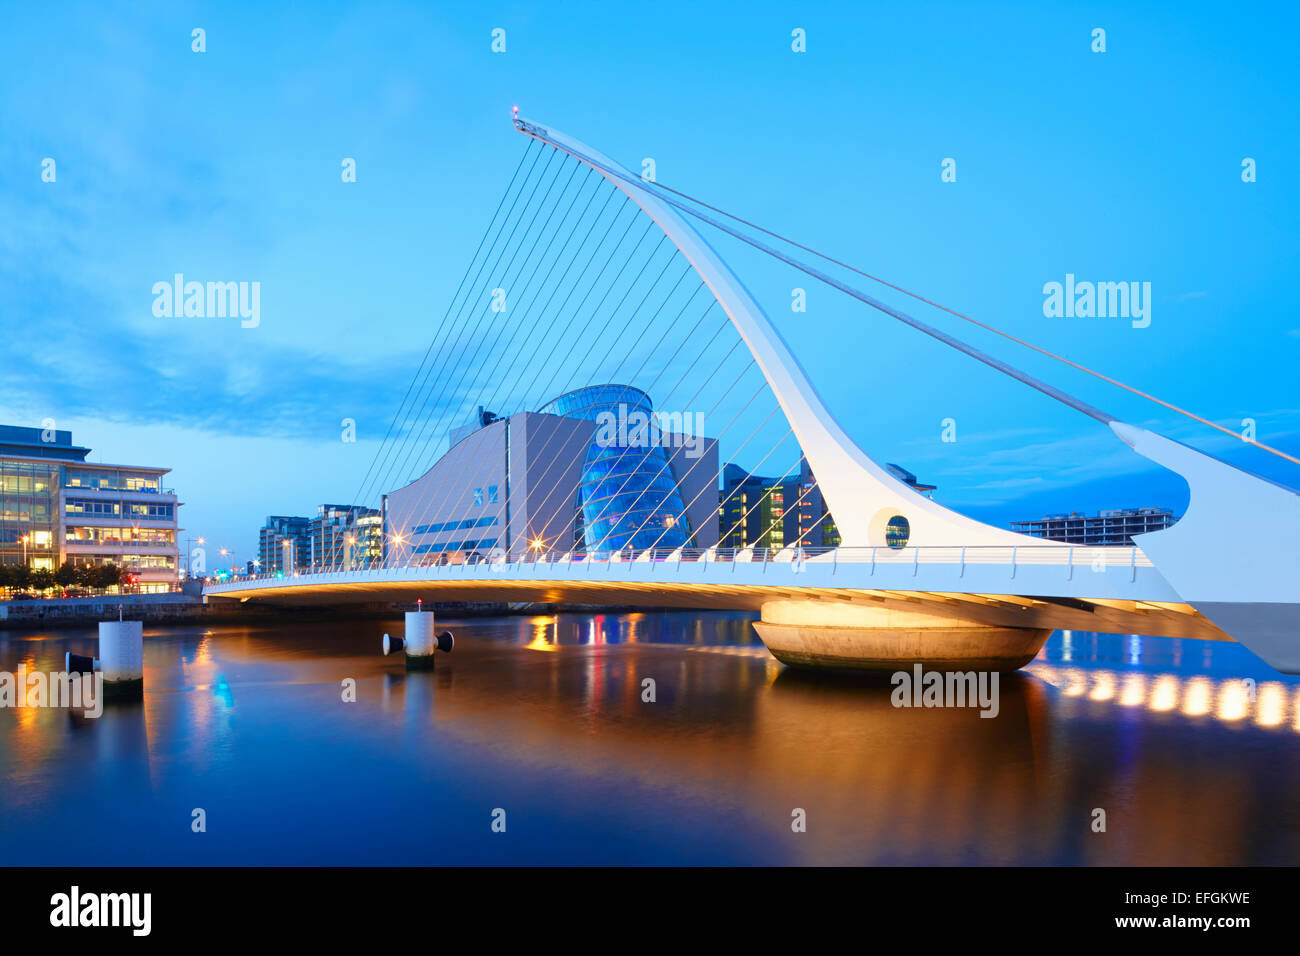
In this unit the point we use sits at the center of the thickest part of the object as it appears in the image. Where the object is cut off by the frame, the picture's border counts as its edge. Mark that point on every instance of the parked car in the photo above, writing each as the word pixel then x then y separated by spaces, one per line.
pixel 23 597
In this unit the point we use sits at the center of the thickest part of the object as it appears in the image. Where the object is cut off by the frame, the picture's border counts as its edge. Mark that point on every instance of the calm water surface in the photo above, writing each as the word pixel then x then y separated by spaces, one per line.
pixel 543 717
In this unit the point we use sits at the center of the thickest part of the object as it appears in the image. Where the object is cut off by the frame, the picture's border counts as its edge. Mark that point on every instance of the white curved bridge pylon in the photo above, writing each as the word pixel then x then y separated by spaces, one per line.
pixel 859 493
pixel 1252 590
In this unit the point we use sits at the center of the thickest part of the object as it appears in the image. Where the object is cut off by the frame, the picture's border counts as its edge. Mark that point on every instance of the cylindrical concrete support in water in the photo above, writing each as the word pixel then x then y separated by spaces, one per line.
pixel 842 636
pixel 419 640
pixel 121 659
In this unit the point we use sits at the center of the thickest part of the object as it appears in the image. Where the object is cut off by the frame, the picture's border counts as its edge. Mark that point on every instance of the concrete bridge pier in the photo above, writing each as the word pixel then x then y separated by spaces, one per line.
pixel 851 637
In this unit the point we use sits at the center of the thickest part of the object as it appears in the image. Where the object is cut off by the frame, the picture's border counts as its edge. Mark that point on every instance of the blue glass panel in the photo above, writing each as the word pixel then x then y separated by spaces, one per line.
pixel 627 493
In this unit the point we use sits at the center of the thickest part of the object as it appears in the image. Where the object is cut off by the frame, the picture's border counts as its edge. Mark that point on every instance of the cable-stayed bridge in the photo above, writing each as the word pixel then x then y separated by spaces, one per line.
pixel 558 444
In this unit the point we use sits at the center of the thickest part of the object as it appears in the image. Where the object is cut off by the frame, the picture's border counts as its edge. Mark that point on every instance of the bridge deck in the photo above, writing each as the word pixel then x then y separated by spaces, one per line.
pixel 1091 589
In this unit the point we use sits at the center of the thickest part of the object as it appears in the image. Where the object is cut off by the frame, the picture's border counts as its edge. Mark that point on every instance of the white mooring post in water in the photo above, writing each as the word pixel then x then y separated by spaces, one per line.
pixel 420 641
pixel 121 658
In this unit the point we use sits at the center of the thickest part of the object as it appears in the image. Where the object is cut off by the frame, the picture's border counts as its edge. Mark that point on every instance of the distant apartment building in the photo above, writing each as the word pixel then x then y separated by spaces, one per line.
pixel 346 537
pixel 284 544
pixel 757 512
pixel 56 507
pixel 1113 527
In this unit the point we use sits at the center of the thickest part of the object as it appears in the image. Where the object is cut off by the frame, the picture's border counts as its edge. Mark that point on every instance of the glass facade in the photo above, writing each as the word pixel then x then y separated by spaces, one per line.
pixel 56 508
pixel 627 495
pixel 29 513
pixel 346 536
pixel 284 544
pixel 111 481
pixel 143 537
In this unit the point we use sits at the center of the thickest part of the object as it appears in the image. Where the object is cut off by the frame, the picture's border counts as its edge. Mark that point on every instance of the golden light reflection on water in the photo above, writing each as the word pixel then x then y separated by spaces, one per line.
pixel 732 733
pixel 1230 701
pixel 544 636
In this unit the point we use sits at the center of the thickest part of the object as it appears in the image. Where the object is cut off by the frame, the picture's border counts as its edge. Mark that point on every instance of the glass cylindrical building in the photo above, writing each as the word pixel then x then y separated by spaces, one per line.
pixel 627 495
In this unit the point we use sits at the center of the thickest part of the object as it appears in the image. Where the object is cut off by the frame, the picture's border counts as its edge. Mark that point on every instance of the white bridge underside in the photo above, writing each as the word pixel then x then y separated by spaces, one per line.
pixel 1124 598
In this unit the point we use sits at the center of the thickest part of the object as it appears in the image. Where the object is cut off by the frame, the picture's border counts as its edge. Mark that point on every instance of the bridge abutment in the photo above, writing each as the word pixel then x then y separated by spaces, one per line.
pixel 843 636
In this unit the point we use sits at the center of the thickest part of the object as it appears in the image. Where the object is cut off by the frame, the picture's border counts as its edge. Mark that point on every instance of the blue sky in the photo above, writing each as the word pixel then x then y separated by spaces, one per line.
pixel 1123 165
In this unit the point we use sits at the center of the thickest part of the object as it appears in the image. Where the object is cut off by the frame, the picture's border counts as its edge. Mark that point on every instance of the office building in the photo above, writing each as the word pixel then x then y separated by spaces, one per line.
pixel 758 512
pixel 1113 527
pixel 343 538
pixel 592 471
pixel 56 507
pixel 284 544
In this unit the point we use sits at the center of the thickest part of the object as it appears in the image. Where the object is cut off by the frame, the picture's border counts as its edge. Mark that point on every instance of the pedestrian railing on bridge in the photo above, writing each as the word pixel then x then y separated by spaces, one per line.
pixel 1066 556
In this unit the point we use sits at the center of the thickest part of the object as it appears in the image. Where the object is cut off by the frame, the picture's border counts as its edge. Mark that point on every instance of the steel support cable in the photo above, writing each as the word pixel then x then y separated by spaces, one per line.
pixel 618 371
pixel 750 510
pixel 665 468
pixel 983 325
pixel 583 453
pixel 818 522
pixel 920 326
pixel 516 317
pixel 723 361
pixel 426 387
pixel 709 308
pixel 596 281
pixel 455 362
pixel 604 267
pixel 539 324
pixel 541 328
pixel 572 520
pixel 523 313
pixel 463 366
pixel 623 268
pixel 542 452
pixel 429 351
pixel 713 485
pixel 653 285
pixel 434 374
pixel 861 296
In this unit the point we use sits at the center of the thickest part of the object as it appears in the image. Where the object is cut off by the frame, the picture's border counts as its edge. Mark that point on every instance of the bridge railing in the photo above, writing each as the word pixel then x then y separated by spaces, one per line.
pixel 1067 556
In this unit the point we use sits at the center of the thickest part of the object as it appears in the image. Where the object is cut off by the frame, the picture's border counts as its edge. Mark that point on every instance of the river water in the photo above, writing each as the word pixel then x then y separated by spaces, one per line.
pixel 539 724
